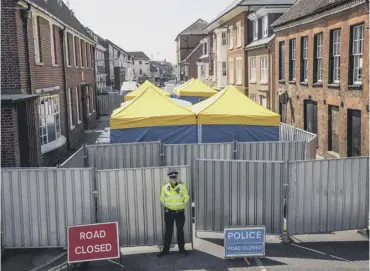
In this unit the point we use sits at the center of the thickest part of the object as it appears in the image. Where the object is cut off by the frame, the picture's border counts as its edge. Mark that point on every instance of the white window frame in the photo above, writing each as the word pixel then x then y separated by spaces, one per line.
pixel 70 115
pixel 305 58
pixel 74 52
pixel 319 56
pixel 293 57
pixel 224 68
pixel 78 107
pixel 357 52
pixel 265 26
pixel 231 71
pixel 223 39
pixel 51 110
pixel 336 55
pixel 81 61
pixel 239 70
pixel 252 70
pixel 231 37
pixel 67 50
pixel 35 27
pixel 255 29
pixel 52 45
pixel 264 70
pixel 239 34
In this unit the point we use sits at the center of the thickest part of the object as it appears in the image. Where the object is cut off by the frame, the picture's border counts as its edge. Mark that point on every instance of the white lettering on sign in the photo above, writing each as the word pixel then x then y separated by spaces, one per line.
pixel 244 235
pixel 92 249
pixel 92 235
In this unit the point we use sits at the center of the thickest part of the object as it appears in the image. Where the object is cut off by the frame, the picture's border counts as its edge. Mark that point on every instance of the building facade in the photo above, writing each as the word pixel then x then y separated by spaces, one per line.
pixel 203 62
pixel 188 67
pixel 323 67
pixel 51 56
pixel 141 66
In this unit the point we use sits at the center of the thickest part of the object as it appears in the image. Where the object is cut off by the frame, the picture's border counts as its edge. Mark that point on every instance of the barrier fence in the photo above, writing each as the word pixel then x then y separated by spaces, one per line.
pixel 76 160
pixel 39 203
pixel 108 102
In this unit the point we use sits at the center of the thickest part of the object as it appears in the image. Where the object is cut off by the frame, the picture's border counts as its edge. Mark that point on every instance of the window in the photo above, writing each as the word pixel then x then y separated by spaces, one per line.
pixel 334 61
pixel 201 70
pixel 253 70
pixel 75 46
pixel 81 53
pixel 140 62
pixel 140 71
pixel 77 97
pixel 304 59
pixel 318 58
pixel 239 70
pixel 356 54
pixel 292 59
pixel 71 118
pixel 231 71
pixel 231 38
pixel 53 44
pixel 333 129
pixel 92 56
pixel 224 72
pixel 265 26
pixel 255 29
pixel 263 70
pixel 223 38
pixel 205 47
pixel 281 60
pixel 91 97
pixel 238 35
pixel 68 49
pixel 263 101
pixel 86 55
pixel 37 39
pixel 353 133
pixel 49 111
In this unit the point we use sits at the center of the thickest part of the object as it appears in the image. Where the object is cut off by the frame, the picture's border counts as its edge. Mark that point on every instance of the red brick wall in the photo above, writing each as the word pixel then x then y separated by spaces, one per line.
pixel 352 99
pixel 193 59
pixel 10 155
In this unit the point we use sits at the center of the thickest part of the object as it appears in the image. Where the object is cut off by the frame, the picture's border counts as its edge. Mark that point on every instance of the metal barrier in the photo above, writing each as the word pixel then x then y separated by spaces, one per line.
pixel 328 195
pixel 109 102
pixel 127 155
pixel 271 151
pixel 131 197
pixel 76 160
pixel 239 193
pixel 39 203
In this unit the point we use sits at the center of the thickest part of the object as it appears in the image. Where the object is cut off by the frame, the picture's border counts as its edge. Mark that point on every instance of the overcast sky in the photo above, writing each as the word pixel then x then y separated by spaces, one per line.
pixel 145 25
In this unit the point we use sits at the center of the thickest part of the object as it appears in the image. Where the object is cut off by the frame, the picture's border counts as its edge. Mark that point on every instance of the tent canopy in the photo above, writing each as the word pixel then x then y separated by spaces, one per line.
pixel 196 88
pixel 151 109
pixel 177 101
pixel 231 107
pixel 144 87
pixel 183 85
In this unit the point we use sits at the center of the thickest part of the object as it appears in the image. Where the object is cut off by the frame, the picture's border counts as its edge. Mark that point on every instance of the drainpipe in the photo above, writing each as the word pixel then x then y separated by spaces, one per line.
pixel 63 33
pixel 25 13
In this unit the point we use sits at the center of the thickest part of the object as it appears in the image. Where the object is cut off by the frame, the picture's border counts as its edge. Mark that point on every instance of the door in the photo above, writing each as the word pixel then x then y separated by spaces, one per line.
pixel 85 106
pixel 353 133
pixel 333 129
pixel 310 116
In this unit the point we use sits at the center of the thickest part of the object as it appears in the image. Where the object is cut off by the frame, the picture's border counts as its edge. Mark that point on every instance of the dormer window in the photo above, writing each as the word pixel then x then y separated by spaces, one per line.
pixel 265 26
pixel 255 29
pixel 205 47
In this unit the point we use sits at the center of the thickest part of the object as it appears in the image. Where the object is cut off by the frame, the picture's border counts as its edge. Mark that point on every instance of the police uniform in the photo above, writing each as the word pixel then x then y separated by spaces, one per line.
pixel 174 197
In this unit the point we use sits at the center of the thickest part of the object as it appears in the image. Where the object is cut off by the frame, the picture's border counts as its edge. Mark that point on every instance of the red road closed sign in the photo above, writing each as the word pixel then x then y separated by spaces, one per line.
pixel 93 242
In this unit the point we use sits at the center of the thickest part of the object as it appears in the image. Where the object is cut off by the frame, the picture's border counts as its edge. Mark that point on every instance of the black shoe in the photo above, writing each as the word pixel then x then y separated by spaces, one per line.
pixel 184 252
pixel 162 253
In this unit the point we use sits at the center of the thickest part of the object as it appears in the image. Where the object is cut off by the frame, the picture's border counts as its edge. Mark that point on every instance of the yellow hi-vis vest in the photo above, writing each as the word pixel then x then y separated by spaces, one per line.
pixel 174 198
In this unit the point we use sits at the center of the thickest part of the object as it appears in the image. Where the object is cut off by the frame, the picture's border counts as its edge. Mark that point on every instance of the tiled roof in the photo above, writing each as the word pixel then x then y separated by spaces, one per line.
pixel 303 8
pixel 259 43
pixel 197 28
pixel 139 55
pixel 58 9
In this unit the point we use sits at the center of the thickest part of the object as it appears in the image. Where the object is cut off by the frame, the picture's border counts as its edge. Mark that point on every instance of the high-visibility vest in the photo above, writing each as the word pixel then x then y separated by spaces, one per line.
pixel 174 198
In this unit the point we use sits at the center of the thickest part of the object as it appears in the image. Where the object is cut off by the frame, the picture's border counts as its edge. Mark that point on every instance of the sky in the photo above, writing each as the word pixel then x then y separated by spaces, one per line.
pixel 145 25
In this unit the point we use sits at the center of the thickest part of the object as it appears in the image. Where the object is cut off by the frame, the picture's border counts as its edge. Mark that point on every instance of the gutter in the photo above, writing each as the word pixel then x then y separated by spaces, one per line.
pixel 25 13
pixel 63 33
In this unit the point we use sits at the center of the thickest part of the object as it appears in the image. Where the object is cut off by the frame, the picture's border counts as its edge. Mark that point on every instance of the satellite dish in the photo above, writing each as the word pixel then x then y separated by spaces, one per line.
pixel 130 74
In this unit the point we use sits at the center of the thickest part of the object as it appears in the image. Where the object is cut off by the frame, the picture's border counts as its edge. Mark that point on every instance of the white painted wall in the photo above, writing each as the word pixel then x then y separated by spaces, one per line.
pixel 144 66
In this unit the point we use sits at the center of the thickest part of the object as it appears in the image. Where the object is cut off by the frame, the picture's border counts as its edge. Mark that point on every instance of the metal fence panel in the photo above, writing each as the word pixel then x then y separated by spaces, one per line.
pixel 38 204
pixel 107 103
pixel 76 160
pixel 239 193
pixel 131 197
pixel 127 155
pixel 272 151
pixel 328 195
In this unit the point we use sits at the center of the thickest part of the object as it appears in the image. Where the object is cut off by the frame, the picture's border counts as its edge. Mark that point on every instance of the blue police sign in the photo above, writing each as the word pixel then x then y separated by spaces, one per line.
pixel 244 242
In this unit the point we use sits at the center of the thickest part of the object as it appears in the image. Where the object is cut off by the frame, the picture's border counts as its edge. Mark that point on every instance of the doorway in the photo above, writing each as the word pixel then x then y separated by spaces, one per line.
pixel 353 133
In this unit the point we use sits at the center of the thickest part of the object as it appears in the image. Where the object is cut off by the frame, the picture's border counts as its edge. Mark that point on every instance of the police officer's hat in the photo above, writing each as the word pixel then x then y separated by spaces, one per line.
pixel 173 174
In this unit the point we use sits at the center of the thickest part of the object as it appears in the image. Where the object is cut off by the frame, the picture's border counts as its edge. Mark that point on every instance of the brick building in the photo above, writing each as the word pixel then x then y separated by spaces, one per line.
pixel 322 50
pixel 46 52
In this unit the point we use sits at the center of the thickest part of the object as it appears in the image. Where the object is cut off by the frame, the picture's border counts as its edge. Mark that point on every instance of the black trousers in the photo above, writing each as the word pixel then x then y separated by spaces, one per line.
pixel 170 217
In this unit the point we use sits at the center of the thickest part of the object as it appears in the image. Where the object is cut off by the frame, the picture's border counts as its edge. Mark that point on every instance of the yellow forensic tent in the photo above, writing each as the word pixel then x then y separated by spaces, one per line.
pixel 196 88
pixel 153 117
pixel 132 95
pixel 183 85
pixel 230 115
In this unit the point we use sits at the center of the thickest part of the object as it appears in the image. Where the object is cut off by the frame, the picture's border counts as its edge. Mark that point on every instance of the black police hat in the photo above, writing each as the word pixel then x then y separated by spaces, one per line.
pixel 173 174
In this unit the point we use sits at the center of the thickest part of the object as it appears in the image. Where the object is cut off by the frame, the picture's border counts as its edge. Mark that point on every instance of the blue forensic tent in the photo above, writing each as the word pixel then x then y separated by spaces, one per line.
pixel 230 115
pixel 153 117
pixel 195 91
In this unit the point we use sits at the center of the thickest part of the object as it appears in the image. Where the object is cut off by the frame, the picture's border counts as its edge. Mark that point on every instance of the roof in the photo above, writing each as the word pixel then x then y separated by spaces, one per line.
pixel 196 28
pixel 196 88
pixel 191 53
pixel 16 98
pixel 137 92
pixel 115 45
pixel 259 43
pixel 153 68
pixel 151 109
pixel 303 8
pixel 60 10
pixel 139 55
pixel 230 106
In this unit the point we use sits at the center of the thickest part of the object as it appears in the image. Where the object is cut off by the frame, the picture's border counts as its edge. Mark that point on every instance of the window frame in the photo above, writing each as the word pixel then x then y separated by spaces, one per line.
pixel 55 106
pixel 319 57
pixel 304 59
pixel 37 39
pixel 281 60
pixel 263 70
pixel 81 53
pixel 231 71
pixel 79 120
pixel 239 70
pixel 238 34
pixel 255 29
pixel 253 70
pixel 231 37
pixel 223 38
pixel 86 54
pixel 224 69
pixel 335 55
pixel 357 55
pixel 265 26
pixel 53 45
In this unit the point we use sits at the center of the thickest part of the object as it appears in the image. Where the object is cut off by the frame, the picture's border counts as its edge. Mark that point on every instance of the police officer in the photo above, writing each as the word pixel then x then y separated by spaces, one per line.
pixel 174 198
